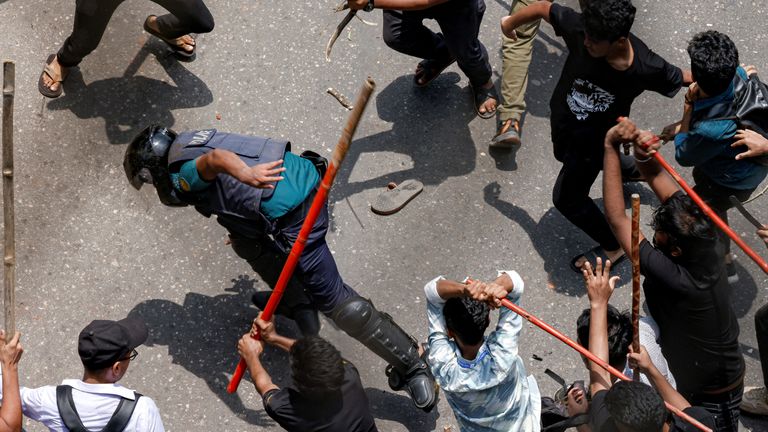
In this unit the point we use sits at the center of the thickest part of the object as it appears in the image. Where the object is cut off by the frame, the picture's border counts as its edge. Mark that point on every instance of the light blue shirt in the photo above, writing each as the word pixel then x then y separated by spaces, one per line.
pixel 491 392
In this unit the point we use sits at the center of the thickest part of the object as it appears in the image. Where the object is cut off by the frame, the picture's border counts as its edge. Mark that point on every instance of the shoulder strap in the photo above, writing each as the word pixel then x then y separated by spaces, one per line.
pixel 71 418
pixel 122 414
pixel 576 420
pixel 67 409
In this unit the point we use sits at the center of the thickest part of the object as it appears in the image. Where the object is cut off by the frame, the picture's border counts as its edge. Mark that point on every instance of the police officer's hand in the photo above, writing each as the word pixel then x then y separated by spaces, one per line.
pixel 265 328
pixel 10 351
pixel 757 145
pixel 249 348
pixel 262 175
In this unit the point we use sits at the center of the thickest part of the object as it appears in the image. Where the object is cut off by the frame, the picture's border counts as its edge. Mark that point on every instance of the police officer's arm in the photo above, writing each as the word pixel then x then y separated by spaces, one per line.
pixel 266 330
pixel 221 161
pixel 10 354
pixel 250 350
pixel 395 4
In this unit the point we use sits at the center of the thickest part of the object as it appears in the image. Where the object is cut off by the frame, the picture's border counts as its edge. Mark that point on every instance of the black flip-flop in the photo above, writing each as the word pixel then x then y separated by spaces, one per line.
pixel 47 70
pixel 481 95
pixel 170 42
pixel 430 69
pixel 592 255
pixel 396 196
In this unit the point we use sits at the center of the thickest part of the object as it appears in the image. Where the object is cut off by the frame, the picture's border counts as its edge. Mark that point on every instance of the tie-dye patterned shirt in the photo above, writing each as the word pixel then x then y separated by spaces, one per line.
pixel 491 392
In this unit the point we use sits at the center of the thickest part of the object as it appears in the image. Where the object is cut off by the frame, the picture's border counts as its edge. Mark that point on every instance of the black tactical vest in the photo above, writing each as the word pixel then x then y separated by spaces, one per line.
pixel 236 204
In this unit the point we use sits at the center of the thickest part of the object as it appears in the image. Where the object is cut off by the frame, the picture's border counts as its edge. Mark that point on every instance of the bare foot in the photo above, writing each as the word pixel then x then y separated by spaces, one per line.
pixel 186 42
pixel 489 106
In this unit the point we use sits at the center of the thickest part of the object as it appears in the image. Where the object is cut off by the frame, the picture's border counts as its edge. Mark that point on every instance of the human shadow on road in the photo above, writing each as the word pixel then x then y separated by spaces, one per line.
pixel 201 335
pixel 130 103
pixel 393 407
pixel 430 125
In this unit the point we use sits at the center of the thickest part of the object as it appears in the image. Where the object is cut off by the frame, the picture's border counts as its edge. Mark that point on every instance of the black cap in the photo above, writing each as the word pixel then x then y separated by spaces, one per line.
pixel 103 342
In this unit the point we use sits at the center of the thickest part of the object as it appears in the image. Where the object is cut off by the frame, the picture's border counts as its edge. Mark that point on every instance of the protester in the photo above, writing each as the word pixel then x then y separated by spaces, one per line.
pixel 106 349
pixel 459 21
pixel 10 354
pixel 626 405
pixel 606 69
pixel 685 286
pixel 755 399
pixel 91 19
pixel 704 136
pixel 483 378
pixel 327 394
pixel 620 334
pixel 257 188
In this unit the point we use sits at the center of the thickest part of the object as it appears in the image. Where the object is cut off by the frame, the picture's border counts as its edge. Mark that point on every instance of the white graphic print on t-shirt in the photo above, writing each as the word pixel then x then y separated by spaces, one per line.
pixel 586 98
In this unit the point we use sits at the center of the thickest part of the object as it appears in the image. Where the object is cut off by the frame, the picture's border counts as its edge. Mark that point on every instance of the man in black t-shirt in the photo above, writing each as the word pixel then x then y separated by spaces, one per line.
pixel 606 69
pixel 327 394
pixel 685 286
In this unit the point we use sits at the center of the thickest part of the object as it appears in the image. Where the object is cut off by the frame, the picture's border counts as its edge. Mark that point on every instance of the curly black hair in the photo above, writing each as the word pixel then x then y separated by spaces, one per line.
pixel 466 318
pixel 620 334
pixel 714 59
pixel 608 20
pixel 686 226
pixel 636 406
pixel 317 367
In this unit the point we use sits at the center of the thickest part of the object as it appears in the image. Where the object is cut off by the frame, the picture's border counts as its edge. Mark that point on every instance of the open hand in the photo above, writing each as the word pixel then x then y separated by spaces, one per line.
pixel 600 284
pixel 10 351
pixel 757 145
pixel 262 175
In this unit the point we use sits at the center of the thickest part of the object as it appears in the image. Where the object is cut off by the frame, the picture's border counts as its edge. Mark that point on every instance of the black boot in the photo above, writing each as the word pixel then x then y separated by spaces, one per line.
pixel 304 314
pixel 379 333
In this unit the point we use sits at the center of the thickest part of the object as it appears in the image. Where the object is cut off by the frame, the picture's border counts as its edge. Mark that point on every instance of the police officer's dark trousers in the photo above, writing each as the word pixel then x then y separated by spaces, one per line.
pixel 92 17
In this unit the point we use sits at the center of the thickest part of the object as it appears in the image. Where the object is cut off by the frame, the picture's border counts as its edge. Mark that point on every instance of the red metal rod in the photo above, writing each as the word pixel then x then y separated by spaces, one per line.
pixel 583 351
pixel 706 209
pixel 309 221
pixel 635 255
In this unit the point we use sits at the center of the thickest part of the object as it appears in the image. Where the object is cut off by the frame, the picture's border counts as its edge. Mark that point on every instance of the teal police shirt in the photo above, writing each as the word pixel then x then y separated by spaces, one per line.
pixel 299 180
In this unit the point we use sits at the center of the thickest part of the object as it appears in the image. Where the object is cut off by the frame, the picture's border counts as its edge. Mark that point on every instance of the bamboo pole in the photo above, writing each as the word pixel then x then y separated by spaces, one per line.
pixel 635 255
pixel 9 294
pixel 309 221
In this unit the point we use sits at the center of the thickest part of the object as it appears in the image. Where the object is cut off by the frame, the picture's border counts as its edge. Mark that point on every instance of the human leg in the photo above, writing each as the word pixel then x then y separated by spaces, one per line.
pixel 755 400
pixel 516 57
pixel 724 406
pixel 571 197
pixel 91 19
pixel 405 32
pixel 186 16
pixel 460 24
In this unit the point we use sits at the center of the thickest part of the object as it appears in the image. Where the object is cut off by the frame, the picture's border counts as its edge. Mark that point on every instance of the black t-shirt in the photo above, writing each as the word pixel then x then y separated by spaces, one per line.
pixel 692 305
pixel 600 419
pixel 591 94
pixel 346 411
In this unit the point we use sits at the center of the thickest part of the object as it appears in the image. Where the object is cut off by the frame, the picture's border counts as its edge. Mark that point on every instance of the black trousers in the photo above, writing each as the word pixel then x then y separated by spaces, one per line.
pixel 459 21
pixel 571 195
pixel 761 328
pixel 717 197
pixel 724 406
pixel 92 17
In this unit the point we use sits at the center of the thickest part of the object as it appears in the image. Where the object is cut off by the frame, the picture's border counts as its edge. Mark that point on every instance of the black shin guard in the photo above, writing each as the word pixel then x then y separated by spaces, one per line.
pixel 380 334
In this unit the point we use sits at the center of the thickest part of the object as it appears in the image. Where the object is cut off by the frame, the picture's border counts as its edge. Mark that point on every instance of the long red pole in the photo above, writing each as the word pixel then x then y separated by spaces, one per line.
pixel 706 209
pixel 317 205
pixel 597 360
pixel 635 255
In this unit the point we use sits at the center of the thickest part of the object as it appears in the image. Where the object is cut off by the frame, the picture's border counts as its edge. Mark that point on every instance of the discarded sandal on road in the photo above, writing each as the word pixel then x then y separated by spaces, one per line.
pixel 45 90
pixel 396 196
pixel 177 49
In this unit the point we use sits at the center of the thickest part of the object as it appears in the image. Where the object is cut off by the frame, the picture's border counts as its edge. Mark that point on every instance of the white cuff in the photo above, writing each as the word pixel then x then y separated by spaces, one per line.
pixel 430 291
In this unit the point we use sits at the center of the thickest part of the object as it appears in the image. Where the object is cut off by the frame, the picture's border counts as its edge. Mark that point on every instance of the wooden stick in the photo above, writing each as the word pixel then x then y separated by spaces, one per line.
pixel 9 294
pixel 635 255
pixel 309 221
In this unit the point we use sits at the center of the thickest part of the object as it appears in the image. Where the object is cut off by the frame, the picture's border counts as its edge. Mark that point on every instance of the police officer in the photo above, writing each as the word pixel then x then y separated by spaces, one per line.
pixel 261 193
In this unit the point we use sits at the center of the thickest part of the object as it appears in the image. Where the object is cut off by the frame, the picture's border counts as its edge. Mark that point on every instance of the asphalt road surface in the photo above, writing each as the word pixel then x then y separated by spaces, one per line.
pixel 90 247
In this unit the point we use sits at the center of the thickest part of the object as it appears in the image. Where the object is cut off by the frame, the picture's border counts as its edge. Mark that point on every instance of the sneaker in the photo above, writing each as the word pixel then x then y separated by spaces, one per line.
pixel 730 268
pixel 755 401
pixel 507 134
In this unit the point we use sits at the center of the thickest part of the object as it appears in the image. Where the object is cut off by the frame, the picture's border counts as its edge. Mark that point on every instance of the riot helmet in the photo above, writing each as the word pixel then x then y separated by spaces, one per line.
pixel 146 161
